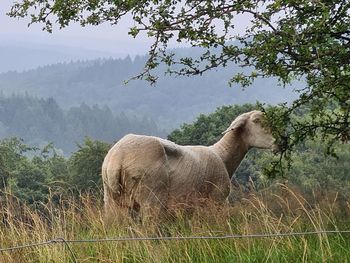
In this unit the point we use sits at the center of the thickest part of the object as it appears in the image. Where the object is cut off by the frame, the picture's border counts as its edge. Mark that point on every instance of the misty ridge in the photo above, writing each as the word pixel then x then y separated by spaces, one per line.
pixel 65 102
pixel 41 121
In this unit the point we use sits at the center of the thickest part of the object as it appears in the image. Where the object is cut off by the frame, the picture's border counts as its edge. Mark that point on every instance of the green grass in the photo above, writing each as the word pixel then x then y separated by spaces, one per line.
pixel 276 210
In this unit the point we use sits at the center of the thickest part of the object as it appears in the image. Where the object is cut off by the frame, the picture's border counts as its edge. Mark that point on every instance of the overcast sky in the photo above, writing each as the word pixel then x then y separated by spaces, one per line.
pixel 112 40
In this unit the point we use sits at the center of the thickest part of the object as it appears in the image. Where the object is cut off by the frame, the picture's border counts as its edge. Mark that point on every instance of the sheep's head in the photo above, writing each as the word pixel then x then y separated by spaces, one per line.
pixel 254 130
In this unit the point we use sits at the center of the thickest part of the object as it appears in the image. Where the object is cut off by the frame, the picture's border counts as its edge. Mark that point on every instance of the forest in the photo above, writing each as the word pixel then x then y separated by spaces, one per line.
pixel 172 101
pixel 32 174
pixel 42 121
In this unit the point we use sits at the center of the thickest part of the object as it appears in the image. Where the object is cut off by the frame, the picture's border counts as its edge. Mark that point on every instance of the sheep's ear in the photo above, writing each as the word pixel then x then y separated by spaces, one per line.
pixel 237 123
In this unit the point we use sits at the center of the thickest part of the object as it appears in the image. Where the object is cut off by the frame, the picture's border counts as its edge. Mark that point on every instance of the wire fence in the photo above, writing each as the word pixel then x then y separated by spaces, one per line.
pixel 168 238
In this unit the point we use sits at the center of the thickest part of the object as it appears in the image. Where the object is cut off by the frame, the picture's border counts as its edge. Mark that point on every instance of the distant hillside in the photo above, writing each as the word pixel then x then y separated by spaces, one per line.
pixel 174 100
pixel 42 121
pixel 25 56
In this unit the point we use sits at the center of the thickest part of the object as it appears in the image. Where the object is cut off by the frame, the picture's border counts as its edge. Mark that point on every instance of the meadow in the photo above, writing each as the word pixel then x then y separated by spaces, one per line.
pixel 278 209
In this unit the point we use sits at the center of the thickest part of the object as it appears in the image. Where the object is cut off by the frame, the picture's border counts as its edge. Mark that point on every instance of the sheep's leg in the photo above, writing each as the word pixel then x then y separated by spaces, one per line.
pixel 151 192
pixel 109 205
pixel 115 208
pixel 220 192
pixel 154 211
pixel 134 212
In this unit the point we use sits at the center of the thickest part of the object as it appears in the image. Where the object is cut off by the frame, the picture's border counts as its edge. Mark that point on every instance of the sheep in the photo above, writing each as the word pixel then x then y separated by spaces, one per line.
pixel 146 173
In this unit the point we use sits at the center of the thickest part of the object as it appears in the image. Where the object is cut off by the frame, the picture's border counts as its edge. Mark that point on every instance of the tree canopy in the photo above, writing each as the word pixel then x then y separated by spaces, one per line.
pixel 38 175
pixel 311 169
pixel 39 121
pixel 286 39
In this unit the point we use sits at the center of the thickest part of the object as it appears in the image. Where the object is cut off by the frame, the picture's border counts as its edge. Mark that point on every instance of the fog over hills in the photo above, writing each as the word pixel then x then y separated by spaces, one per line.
pixel 172 101
pixel 25 56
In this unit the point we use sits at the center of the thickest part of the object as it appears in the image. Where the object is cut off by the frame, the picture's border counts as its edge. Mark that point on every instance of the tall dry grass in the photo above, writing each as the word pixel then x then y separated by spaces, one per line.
pixel 281 209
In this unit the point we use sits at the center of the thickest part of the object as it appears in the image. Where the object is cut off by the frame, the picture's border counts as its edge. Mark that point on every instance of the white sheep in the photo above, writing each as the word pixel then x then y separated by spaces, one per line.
pixel 142 172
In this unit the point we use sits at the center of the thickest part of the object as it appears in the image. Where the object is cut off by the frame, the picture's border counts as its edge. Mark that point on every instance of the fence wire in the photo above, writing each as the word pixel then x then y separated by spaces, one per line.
pixel 61 240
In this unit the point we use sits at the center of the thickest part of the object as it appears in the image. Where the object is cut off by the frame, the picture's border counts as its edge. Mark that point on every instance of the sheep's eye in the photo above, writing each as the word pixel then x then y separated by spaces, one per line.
pixel 256 120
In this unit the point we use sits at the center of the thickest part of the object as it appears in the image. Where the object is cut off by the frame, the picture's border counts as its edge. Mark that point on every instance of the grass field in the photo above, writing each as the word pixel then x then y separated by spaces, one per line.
pixel 277 210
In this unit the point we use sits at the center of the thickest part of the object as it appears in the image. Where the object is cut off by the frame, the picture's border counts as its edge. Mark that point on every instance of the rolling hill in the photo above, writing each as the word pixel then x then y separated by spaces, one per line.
pixel 172 101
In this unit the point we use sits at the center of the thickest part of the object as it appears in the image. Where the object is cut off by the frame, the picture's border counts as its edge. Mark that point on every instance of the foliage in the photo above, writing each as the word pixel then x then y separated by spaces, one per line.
pixel 11 154
pixel 29 182
pixel 33 174
pixel 85 166
pixel 311 168
pixel 288 39
pixel 38 175
pixel 207 129
pixel 41 121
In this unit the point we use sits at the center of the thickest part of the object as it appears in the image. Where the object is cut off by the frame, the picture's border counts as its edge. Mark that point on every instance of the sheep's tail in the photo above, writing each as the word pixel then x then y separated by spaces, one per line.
pixel 112 186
